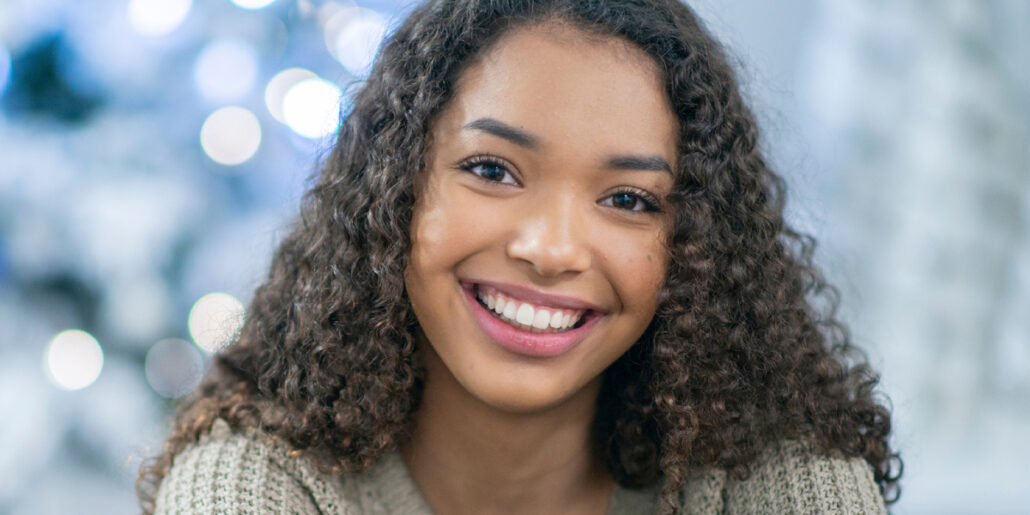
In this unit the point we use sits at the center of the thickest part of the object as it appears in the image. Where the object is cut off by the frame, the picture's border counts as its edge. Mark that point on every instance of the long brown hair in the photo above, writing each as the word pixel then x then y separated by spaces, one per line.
pixel 737 356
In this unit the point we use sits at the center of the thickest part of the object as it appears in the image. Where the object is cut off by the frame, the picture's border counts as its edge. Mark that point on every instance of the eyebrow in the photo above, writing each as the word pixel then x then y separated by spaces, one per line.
pixel 532 142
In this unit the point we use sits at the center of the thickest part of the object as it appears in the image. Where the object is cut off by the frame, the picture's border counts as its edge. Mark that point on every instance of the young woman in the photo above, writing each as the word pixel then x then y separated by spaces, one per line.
pixel 545 270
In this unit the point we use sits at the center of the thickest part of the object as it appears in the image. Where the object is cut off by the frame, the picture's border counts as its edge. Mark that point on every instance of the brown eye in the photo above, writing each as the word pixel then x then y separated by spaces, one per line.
pixel 492 172
pixel 632 201
pixel 489 170
pixel 626 201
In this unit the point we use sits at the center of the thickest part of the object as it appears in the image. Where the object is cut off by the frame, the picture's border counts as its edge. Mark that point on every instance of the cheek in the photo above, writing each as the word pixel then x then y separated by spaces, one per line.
pixel 639 267
pixel 452 224
pixel 438 233
pixel 436 249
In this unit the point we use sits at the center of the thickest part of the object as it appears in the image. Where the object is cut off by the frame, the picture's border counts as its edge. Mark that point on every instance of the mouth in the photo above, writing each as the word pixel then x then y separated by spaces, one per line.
pixel 526 328
pixel 528 316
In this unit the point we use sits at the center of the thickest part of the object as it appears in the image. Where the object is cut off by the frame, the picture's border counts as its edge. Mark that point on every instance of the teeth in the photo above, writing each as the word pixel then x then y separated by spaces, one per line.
pixel 556 320
pixel 509 311
pixel 525 315
pixel 528 316
pixel 542 319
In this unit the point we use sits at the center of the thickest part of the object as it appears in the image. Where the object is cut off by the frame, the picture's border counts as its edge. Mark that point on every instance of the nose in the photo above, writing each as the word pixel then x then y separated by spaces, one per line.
pixel 551 237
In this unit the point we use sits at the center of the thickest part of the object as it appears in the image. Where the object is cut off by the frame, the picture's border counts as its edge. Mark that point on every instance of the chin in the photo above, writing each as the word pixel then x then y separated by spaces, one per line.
pixel 521 391
pixel 520 399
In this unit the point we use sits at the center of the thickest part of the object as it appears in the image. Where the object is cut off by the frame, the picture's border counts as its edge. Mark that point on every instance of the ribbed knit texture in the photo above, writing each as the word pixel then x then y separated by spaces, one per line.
pixel 250 472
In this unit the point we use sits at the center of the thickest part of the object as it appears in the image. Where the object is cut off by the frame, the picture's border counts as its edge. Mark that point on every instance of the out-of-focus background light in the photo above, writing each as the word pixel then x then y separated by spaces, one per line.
pixel 275 91
pixel 155 151
pixel 252 4
pixel 157 17
pixel 225 70
pixel 311 107
pixel 231 135
pixel 173 367
pixel 214 319
pixel 74 359
pixel 352 35
pixel 149 156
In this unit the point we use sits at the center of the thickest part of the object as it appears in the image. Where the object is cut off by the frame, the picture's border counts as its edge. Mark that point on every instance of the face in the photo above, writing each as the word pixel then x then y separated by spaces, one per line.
pixel 539 226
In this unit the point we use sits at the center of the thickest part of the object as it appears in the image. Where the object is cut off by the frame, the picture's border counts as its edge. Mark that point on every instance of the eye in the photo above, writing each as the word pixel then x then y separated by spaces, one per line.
pixel 488 169
pixel 633 200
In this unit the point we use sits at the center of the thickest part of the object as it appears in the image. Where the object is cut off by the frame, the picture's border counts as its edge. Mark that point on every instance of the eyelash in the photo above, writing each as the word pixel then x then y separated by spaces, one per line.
pixel 649 200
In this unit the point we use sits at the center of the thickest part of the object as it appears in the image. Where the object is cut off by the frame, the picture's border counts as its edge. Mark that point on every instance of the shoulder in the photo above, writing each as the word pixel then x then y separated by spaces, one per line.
pixel 790 477
pixel 229 471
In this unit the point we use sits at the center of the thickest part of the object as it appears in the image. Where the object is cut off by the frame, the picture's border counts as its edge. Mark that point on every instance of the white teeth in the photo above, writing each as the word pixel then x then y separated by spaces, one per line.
pixel 524 314
pixel 541 319
pixel 556 320
pixel 509 311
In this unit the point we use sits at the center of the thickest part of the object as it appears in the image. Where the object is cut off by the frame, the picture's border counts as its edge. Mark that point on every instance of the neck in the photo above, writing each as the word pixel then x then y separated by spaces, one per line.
pixel 469 457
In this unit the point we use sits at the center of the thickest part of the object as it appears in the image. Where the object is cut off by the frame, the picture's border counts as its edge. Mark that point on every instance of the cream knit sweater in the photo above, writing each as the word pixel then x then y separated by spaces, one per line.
pixel 247 472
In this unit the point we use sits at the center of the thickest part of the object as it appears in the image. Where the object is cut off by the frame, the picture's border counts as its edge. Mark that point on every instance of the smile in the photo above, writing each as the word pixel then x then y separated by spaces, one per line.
pixel 529 328
pixel 525 315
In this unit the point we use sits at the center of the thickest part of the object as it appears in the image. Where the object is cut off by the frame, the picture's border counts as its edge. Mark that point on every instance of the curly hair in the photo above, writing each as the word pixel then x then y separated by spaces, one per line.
pixel 744 350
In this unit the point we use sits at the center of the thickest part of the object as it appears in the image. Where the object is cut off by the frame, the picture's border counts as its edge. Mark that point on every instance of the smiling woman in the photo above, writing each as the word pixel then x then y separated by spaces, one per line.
pixel 545 270
pixel 519 197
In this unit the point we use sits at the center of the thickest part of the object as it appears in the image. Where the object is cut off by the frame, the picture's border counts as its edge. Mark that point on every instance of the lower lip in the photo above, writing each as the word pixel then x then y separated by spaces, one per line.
pixel 540 345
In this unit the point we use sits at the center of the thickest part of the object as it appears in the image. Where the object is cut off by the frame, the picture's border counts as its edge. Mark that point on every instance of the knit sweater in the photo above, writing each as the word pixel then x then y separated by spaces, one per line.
pixel 232 471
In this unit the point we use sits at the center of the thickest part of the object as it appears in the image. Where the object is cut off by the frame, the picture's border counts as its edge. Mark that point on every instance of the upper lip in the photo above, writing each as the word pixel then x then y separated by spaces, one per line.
pixel 540 297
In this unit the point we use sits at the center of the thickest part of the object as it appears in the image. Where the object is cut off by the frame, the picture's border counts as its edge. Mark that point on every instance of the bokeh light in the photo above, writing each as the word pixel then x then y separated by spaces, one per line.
pixel 275 91
pixel 352 35
pixel 157 17
pixel 251 5
pixel 225 70
pixel 173 367
pixel 74 359
pixel 214 320
pixel 230 135
pixel 311 108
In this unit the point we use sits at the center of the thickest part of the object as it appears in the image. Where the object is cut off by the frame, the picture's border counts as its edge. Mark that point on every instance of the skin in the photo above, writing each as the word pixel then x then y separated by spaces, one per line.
pixel 499 432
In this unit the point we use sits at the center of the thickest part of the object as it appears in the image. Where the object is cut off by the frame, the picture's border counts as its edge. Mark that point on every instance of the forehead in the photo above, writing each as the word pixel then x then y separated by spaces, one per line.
pixel 567 86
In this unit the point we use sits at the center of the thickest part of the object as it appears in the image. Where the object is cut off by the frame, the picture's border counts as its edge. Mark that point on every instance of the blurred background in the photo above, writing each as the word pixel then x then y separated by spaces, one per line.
pixel 152 153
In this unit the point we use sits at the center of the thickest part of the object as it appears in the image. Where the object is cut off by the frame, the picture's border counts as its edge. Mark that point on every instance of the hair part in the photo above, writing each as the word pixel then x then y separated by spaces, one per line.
pixel 736 358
